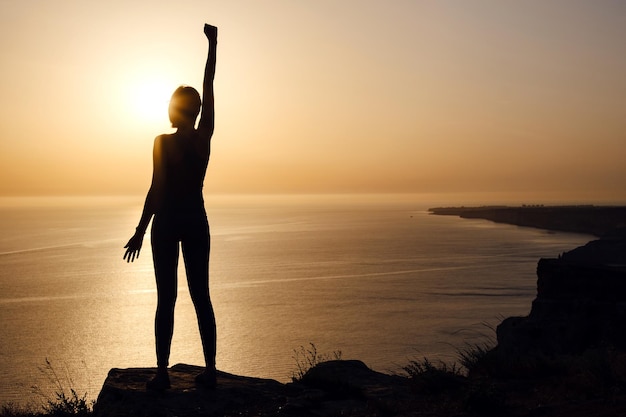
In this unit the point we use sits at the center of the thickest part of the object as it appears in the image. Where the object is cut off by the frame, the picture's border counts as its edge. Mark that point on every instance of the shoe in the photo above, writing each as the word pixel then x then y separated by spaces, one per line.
pixel 207 379
pixel 159 383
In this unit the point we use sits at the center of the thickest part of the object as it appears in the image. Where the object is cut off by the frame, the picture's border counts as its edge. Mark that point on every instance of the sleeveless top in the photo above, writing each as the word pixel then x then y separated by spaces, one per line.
pixel 183 171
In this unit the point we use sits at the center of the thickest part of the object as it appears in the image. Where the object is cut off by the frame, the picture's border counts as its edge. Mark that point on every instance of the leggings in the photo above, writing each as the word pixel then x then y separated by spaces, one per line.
pixel 192 231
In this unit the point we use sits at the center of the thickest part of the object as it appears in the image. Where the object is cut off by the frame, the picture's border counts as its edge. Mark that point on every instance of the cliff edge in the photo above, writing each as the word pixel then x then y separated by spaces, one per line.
pixel 580 303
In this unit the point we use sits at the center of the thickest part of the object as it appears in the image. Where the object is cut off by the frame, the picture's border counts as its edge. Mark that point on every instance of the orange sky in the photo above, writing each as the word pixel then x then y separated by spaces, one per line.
pixel 324 96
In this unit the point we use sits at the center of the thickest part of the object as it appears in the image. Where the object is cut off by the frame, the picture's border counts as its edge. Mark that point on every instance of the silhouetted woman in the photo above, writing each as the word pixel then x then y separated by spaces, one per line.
pixel 175 199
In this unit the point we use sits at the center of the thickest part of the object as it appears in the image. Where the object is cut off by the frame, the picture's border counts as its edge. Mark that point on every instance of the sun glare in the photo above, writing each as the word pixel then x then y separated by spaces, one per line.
pixel 150 99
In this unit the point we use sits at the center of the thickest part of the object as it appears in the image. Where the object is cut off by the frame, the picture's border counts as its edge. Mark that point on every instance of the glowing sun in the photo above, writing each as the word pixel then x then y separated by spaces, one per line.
pixel 150 98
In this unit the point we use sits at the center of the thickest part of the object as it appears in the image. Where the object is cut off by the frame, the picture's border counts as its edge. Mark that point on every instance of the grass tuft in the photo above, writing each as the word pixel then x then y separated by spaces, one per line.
pixel 65 402
pixel 307 358
pixel 475 357
pixel 434 377
pixel 65 405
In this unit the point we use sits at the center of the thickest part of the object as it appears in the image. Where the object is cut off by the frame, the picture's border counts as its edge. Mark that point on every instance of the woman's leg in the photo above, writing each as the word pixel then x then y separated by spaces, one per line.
pixel 195 248
pixel 165 259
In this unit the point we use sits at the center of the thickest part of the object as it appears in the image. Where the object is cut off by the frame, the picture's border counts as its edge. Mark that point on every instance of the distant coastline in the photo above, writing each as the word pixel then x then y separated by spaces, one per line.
pixel 598 221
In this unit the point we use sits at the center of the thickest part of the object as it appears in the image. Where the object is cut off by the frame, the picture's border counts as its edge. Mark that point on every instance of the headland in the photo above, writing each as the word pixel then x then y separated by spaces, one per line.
pixel 586 219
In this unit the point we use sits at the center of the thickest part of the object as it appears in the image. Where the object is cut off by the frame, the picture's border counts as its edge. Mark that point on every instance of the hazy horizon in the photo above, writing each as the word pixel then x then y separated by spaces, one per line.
pixel 449 97
pixel 418 200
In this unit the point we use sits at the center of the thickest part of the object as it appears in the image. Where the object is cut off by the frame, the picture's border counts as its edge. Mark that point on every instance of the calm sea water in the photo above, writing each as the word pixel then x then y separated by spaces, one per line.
pixel 375 277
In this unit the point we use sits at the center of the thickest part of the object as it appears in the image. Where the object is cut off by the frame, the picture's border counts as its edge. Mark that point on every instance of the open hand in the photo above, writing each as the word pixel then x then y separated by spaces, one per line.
pixel 133 247
pixel 210 32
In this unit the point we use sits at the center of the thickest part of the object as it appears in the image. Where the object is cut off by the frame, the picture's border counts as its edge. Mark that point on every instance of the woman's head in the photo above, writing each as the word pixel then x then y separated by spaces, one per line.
pixel 184 106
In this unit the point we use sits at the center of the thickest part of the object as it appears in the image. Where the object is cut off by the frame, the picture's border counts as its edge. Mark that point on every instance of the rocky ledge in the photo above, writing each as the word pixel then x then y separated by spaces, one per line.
pixel 344 387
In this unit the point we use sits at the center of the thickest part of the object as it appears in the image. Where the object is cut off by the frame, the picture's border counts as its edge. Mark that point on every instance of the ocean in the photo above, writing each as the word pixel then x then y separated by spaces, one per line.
pixel 375 277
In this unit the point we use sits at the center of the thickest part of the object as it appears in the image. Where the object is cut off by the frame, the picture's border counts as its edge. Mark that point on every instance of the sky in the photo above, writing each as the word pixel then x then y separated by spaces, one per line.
pixel 450 96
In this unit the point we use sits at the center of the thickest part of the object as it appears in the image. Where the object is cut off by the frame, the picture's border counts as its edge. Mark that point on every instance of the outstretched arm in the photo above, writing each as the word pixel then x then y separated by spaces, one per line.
pixel 207 115
pixel 153 200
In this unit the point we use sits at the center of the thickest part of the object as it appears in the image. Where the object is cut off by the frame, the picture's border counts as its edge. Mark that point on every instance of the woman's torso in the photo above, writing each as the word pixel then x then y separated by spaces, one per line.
pixel 184 161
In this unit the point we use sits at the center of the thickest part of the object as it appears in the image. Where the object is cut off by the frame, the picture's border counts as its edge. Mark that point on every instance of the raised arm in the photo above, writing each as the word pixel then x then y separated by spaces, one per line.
pixel 207 114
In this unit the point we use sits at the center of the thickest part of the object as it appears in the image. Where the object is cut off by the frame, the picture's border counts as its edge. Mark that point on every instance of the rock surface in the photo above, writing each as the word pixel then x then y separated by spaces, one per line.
pixel 124 394
pixel 332 388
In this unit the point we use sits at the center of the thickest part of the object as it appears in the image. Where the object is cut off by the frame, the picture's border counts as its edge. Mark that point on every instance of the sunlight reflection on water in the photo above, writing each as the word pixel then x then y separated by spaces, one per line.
pixel 383 281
